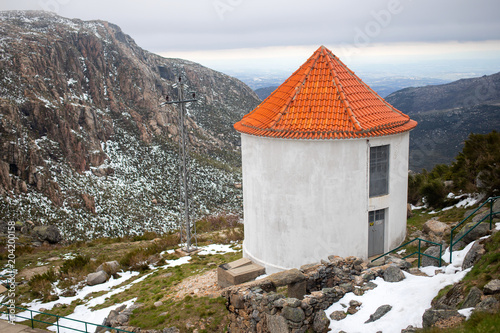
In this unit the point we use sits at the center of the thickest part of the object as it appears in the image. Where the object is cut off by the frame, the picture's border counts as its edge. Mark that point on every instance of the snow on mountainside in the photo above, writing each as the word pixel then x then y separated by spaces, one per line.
pixel 84 143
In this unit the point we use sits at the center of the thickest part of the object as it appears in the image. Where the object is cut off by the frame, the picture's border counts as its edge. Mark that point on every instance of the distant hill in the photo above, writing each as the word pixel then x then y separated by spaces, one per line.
pixel 447 114
pixel 264 92
pixel 383 86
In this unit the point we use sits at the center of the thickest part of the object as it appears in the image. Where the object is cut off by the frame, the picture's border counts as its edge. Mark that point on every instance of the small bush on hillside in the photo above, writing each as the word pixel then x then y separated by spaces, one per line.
pixel 41 284
pixel 78 263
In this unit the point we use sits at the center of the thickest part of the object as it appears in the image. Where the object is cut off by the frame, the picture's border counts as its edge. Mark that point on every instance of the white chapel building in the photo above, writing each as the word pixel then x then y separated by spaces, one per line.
pixel 325 169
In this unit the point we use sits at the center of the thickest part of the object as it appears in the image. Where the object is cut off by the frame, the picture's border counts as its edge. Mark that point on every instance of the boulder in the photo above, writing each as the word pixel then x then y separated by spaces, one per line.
pixel 338 315
pixel 110 267
pixel 277 324
pixel 47 233
pixel 473 298
pixel 475 253
pixel 410 329
pixel 433 316
pixel 379 313
pixel 481 230
pixel 96 278
pixel 436 228
pixel 295 315
pixel 451 299
pixel 321 322
pixel 284 278
pixel 393 274
pixel 490 304
pixel 401 263
pixel 432 251
pixel 492 287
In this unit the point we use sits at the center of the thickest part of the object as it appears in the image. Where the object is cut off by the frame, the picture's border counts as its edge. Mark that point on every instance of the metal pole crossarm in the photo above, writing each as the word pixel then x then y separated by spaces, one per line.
pixel 177 102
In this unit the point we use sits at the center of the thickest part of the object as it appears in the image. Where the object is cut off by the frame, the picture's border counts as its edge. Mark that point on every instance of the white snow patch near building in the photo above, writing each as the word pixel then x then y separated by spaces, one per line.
pixel 409 298
pixel 85 312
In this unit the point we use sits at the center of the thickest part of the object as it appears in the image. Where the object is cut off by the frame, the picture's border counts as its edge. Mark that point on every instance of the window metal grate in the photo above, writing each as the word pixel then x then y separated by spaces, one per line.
pixel 379 170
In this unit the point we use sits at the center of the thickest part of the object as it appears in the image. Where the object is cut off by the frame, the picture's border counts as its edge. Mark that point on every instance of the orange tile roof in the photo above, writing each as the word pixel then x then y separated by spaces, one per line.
pixel 324 99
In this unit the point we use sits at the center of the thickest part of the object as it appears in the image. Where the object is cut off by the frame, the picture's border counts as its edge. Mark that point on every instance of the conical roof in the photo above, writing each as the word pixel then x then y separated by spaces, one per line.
pixel 324 99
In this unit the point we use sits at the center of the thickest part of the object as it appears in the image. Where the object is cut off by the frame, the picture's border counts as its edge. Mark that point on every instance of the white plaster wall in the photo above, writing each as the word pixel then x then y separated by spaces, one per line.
pixel 396 200
pixel 307 199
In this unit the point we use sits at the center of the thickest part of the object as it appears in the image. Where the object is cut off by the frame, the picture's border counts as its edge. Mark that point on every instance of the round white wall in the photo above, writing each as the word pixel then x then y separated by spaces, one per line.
pixel 307 199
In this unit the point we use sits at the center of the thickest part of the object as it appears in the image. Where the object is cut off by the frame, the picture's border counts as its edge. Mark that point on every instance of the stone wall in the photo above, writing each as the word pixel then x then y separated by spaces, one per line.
pixel 295 300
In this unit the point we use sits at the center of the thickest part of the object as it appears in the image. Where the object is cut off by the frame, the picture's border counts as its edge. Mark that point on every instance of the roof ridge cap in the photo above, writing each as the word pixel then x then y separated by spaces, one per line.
pixel 344 100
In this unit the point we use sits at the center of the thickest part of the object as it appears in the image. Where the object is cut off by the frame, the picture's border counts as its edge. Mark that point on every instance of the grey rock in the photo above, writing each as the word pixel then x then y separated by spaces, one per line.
pixel 96 278
pixel 473 298
pixel 121 308
pixel 47 233
pixel 292 302
pixel 490 304
pixel 355 303
pixel 409 329
pixel 432 251
pixel 402 264
pixel 286 277
pixel 492 287
pixel 436 228
pixel 393 274
pixel 481 230
pixel 432 316
pixel 379 313
pixel 347 287
pixel 158 304
pixel 369 275
pixel 277 324
pixel 237 301
pixel 321 322
pixel 171 330
pixel 475 253
pixel 293 314
pixel 110 267
pixel 338 315
pixel 256 315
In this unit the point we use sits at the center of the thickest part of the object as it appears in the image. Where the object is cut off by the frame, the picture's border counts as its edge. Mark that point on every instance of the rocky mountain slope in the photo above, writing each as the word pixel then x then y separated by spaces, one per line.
pixel 84 142
pixel 446 115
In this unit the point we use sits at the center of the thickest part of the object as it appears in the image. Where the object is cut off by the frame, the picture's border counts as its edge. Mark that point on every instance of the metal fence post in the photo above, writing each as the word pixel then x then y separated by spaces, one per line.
pixel 57 323
pixel 31 315
pixel 440 253
pixel 418 253
pixel 451 246
pixel 491 213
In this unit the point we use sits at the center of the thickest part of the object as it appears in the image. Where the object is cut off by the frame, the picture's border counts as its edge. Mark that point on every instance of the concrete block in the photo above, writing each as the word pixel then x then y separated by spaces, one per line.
pixel 237 272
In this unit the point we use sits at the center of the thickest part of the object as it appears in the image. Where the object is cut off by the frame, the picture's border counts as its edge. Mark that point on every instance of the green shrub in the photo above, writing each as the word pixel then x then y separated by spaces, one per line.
pixel 434 193
pixel 41 284
pixel 79 263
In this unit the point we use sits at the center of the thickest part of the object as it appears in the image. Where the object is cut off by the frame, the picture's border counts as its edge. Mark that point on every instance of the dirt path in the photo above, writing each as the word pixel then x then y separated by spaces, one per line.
pixel 198 285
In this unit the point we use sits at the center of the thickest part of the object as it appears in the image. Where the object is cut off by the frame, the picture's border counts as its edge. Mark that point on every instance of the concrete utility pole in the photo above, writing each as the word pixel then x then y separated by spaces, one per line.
pixel 187 235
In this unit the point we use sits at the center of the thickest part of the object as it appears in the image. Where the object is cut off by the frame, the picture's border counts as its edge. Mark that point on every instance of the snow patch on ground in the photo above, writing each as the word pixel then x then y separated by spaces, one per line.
pixel 85 312
pixel 409 298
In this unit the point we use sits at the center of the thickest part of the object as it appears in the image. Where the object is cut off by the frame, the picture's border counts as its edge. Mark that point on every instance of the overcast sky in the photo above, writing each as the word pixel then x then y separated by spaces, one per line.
pixel 284 33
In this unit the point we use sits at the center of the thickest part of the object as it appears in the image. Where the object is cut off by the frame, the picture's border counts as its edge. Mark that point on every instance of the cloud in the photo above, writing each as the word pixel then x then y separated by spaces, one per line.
pixel 162 25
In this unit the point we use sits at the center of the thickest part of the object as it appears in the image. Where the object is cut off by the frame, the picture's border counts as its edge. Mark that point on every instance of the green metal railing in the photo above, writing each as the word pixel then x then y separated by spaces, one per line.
pixel 489 216
pixel 419 252
pixel 57 324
